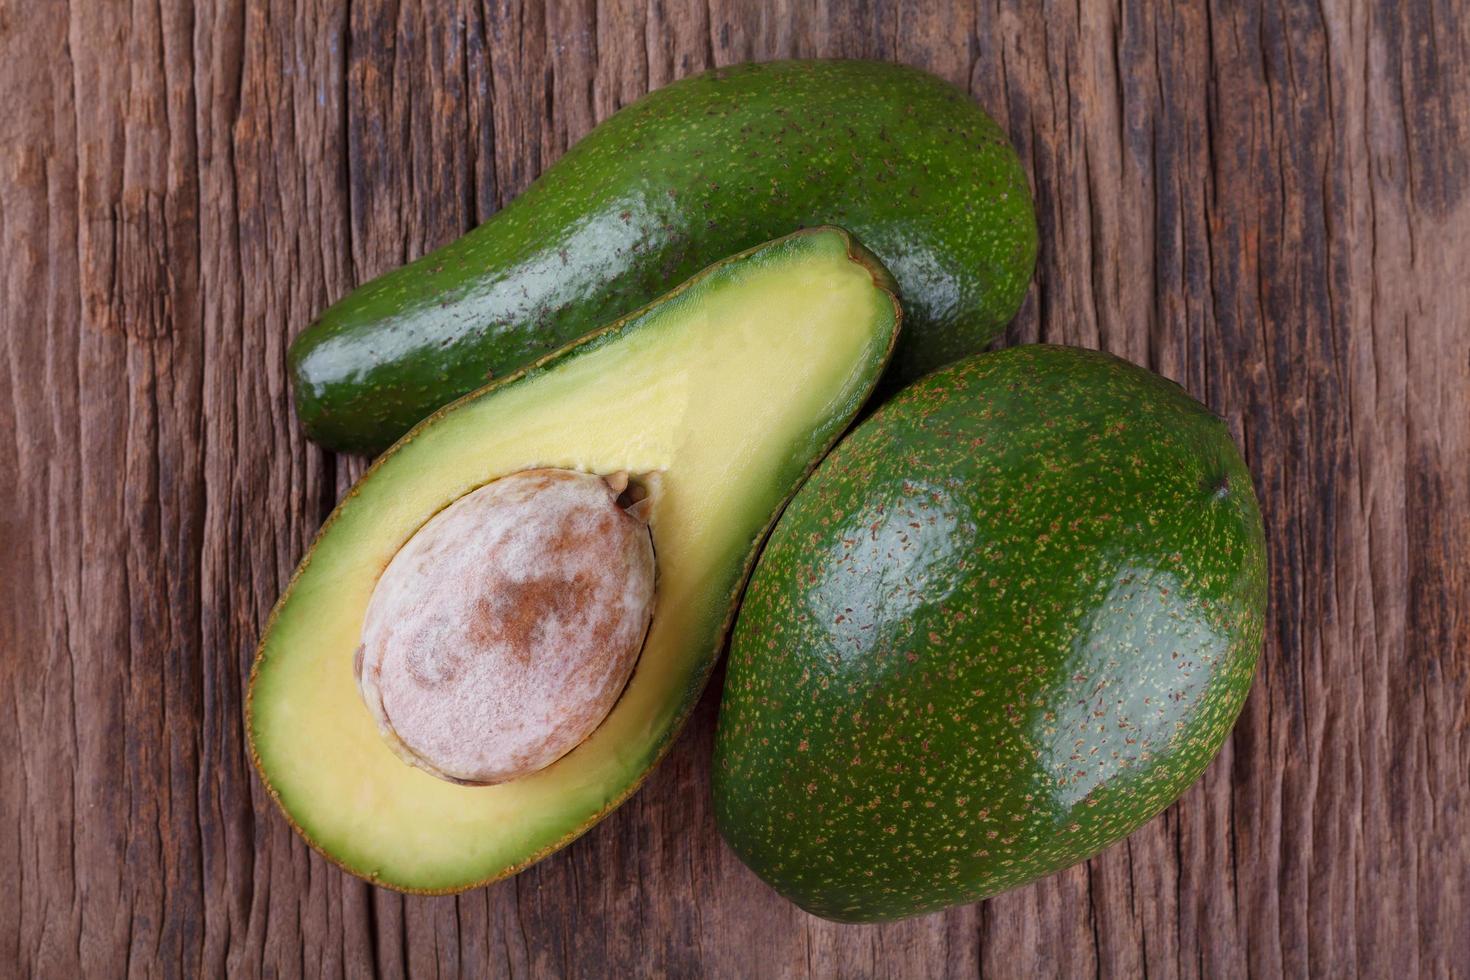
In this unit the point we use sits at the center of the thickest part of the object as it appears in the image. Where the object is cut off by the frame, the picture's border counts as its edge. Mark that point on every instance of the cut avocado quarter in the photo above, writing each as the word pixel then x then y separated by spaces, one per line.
pixel 1010 618
pixel 695 171
pixel 671 437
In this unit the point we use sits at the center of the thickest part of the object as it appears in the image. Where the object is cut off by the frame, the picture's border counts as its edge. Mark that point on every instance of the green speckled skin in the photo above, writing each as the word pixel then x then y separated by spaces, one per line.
pixel 1009 619
pixel 698 170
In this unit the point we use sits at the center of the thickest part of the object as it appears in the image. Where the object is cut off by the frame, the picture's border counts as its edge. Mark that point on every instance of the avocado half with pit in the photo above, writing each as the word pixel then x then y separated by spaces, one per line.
pixel 500 629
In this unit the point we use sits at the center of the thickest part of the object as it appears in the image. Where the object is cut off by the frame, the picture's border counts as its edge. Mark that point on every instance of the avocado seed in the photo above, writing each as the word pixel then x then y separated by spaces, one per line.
pixel 503 632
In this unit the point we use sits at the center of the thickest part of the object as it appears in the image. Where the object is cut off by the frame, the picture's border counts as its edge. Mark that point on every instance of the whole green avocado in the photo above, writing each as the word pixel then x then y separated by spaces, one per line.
pixel 1008 620
pixel 697 170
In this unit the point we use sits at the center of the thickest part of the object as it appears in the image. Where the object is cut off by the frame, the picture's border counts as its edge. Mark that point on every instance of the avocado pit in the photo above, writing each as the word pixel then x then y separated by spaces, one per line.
pixel 503 632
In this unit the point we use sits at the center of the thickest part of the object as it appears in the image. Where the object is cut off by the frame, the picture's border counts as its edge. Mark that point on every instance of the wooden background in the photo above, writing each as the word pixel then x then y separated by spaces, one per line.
pixel 1265 201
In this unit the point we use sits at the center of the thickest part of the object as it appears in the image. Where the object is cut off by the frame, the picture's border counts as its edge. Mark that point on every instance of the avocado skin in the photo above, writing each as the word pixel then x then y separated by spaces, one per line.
pixel 1009 619
pixel 700 169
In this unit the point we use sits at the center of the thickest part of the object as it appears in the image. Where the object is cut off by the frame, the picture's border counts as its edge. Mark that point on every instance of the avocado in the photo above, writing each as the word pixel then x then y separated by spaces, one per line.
pixel 700 413
pixel 700 169
pixel 1010 618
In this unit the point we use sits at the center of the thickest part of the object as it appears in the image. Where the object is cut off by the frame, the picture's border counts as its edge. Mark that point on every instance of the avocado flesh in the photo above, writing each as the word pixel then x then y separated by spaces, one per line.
pixel 693 172
pixel 729 389
pixel 1011 617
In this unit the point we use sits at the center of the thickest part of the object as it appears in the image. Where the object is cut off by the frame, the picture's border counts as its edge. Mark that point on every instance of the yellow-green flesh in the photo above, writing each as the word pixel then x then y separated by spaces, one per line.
pixel 730 389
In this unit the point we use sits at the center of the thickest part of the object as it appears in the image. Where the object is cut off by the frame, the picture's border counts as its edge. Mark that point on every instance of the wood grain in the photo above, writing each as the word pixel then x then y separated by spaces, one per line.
pixel 1265 201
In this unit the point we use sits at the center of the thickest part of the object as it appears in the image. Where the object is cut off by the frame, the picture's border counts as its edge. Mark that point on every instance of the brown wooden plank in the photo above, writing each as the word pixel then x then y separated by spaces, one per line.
pixel 1266 202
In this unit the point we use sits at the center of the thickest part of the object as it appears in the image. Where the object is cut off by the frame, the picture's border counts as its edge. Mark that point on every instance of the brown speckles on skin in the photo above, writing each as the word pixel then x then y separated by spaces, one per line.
pixel 504 630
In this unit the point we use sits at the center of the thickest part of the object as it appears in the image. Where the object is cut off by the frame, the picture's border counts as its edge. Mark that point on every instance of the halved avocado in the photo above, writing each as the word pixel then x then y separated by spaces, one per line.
pixel 730 389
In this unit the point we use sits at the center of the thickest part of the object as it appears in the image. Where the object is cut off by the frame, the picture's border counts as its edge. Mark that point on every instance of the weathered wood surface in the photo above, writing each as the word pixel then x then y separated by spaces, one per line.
pixel 1267 202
